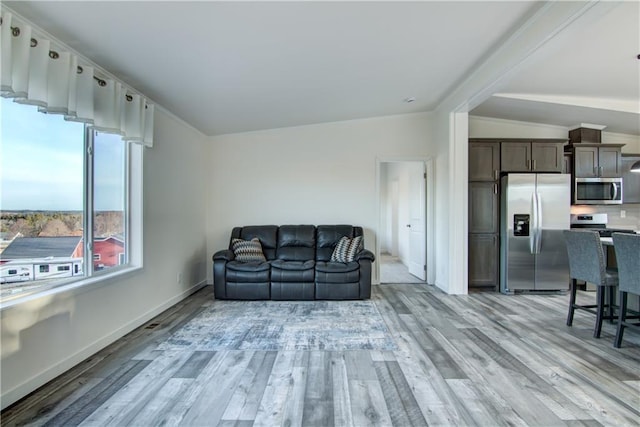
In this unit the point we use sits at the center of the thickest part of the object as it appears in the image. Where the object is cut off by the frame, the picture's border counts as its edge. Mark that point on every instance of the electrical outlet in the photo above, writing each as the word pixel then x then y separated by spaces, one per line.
pixel 179 278
pixel 623 214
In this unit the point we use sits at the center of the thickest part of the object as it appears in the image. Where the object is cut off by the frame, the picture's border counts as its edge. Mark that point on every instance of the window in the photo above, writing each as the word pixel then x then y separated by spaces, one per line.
pixel 13 271
pixel 109 201
pixel 63 185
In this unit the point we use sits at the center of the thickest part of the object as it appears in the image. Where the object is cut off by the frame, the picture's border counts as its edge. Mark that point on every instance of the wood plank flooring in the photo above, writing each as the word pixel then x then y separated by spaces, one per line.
pixel 481 359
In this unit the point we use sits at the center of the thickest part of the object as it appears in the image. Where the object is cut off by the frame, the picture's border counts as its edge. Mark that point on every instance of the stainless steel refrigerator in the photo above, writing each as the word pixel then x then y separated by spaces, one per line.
pixel 535 208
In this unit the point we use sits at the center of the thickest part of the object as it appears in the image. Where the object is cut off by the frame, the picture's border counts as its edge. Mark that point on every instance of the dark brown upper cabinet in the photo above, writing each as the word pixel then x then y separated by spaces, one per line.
pixel 532 156
pixel 484 161
pixel 597 160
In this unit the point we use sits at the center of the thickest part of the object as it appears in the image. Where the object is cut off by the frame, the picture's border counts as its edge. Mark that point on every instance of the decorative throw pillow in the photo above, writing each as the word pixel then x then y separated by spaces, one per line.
pixel 346 249
pixel 248 250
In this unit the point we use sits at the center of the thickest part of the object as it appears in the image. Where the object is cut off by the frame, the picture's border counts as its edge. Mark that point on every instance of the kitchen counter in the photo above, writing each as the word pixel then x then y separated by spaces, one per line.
pixel 608 241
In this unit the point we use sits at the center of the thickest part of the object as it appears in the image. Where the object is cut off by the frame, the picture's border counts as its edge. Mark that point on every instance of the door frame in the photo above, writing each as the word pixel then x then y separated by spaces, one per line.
pixel 429 198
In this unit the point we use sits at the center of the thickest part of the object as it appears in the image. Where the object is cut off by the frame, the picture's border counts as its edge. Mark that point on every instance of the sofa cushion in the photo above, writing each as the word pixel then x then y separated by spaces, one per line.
pixel 292 271
pixel 296 243
pixel 337 272
pixel 247 250
pixel 346 249
pixel 248 272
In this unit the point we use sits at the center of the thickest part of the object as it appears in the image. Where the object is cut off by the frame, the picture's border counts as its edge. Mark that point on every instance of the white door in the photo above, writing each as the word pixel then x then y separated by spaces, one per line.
pixel 417 232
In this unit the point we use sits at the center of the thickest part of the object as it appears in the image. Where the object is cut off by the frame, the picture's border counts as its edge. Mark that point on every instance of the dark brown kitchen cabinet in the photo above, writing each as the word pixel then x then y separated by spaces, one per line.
pixel 597 160
pixel 484 161
pixel 515 156
pixel 547 156
pixel 484 213
pixel 610 161
pixel 484 207
pixel 484 261
pixel 532 156
pixel 585 162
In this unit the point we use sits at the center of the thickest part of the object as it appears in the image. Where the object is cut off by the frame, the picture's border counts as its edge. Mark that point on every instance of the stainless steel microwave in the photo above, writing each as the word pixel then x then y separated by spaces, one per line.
pixel 597 191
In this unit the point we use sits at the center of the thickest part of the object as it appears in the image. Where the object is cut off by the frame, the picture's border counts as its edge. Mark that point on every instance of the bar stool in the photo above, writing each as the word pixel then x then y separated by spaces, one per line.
pixel 587 263
pixel 627 247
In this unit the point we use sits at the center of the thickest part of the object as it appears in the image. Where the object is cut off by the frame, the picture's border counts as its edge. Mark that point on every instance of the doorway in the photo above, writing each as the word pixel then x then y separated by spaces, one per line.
pixel 403 222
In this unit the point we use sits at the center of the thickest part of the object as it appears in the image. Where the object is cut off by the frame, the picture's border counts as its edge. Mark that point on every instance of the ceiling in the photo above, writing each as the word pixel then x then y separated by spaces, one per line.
pixel 588 76
pixel 227 67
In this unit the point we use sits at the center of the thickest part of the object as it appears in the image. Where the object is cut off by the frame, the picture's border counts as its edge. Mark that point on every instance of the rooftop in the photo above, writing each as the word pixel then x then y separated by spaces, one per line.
pixel 41 247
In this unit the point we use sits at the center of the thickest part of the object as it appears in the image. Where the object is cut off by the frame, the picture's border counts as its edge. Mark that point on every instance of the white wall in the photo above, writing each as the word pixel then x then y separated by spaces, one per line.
pixel 317 174
pixel 487 127
pixel 444 170
pixel 386 211
pixel 48 335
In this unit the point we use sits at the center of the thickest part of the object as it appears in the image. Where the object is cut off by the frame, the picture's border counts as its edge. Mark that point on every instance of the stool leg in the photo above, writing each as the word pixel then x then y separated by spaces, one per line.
pixel 572 302
pixel 622 316
pixel 612 299
pixel 599 311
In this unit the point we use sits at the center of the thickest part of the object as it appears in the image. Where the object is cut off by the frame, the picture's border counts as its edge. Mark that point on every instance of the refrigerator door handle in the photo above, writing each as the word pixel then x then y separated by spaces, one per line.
pixel 538 223
pixel 534 223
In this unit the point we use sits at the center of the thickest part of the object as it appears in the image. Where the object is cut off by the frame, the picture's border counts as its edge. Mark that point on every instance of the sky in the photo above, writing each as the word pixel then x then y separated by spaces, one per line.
pixel 41 162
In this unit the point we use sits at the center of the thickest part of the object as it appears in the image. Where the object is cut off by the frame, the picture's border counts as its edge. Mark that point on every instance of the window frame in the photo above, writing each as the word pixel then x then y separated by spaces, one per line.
pixel 89 207
pixel 133 229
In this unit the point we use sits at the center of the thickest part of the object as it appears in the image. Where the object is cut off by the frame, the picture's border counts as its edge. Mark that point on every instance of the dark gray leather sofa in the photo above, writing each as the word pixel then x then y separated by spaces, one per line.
pixel 298 265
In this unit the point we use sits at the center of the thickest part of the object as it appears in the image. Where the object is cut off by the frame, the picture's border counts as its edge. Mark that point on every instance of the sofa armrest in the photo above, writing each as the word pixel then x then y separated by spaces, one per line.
pixel 365 274
pixel 224 255
pixel 365 254
pixel 220 260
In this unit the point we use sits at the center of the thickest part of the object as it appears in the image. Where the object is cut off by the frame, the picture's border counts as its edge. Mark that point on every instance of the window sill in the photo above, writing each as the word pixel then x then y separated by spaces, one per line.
pixel 74 288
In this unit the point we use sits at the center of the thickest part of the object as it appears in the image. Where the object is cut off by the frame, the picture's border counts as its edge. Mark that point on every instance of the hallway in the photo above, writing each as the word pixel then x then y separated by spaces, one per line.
pixel 392 270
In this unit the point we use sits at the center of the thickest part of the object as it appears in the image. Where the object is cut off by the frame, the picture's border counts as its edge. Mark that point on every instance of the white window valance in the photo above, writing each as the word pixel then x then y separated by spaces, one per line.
pixel 36 71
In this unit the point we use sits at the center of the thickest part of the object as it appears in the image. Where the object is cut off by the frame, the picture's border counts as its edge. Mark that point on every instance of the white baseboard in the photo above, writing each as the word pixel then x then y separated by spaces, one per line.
pixel 18 392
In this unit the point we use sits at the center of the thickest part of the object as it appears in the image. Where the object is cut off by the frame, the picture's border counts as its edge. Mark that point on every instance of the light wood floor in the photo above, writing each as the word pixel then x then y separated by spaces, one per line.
pixel 482 359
